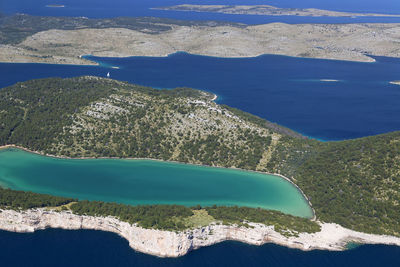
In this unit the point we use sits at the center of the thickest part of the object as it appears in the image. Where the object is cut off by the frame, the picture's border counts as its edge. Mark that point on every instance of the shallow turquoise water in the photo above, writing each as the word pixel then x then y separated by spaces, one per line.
pixel 148 182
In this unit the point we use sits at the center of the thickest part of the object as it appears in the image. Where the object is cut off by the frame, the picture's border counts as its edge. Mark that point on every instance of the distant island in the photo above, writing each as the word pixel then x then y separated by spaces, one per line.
pixel 61 40
pixel 329 80
pixel 269 10
pixel 57 6
pixel 395 82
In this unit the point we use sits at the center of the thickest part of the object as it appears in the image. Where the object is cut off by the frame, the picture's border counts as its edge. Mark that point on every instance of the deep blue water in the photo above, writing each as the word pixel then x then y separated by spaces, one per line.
pixel 284 90
pixel 114 8
pixel 54 247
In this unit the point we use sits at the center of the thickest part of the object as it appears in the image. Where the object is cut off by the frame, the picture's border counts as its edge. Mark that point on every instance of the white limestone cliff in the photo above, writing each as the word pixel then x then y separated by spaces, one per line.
pixel 175 244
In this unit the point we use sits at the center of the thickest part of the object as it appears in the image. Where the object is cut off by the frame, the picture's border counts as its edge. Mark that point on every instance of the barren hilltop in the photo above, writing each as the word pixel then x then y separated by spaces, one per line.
pixel 48 42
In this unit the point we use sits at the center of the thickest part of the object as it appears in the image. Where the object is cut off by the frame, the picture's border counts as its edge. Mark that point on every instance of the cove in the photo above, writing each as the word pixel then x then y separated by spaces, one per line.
pixel 293 92
pixel 148 182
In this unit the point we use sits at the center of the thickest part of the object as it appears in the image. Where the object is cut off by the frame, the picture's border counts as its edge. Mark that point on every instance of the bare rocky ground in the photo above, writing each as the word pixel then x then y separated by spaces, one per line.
pixel 352 42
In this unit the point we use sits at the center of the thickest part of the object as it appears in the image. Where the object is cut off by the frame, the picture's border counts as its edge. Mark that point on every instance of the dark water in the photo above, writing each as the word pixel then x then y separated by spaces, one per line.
pixel 284 90
pixel 114 8
pixel 54 247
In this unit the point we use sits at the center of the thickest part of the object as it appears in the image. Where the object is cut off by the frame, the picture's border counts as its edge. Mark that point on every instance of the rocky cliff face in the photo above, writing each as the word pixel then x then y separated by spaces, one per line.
pixel 175 244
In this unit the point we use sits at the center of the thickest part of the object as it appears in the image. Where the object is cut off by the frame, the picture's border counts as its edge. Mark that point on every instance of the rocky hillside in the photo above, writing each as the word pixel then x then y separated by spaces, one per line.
pixel 94 117
pixel 62 40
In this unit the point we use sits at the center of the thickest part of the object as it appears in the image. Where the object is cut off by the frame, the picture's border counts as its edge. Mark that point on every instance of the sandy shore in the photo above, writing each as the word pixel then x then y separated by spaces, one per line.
pixel 174 244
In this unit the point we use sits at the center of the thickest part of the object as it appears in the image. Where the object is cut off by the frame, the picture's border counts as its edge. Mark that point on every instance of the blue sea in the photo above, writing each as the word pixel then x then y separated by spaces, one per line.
pixel 285 90
pixel 134 8
pixel 55 247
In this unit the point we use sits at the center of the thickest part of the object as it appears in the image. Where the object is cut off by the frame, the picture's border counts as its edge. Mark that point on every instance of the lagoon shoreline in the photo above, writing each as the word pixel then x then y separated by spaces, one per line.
pixel 313 218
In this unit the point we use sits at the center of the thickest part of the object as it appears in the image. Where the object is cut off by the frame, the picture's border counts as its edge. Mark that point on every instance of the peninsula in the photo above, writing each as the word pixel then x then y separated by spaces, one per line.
pixel 353 183
pixel 268 10
pixel 25 38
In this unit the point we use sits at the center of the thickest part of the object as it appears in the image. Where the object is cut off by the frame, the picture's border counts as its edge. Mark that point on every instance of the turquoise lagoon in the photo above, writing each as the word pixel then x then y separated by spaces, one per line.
pixel 148 182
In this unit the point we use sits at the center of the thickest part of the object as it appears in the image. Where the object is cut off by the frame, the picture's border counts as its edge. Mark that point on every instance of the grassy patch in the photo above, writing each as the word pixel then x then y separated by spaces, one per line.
pixel 62 207
pixel 199 218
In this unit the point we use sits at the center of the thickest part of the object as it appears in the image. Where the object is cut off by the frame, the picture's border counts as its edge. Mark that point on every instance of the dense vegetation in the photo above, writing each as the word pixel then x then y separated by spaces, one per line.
pixel 354 183
pixel 92 117
pixel 26 200
pixel 14 29
pixel 32 113
pixel 168 217
pixel 163 217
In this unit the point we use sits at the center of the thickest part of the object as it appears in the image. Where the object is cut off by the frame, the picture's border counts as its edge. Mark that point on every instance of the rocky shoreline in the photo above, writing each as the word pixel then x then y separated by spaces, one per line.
pixel 174 244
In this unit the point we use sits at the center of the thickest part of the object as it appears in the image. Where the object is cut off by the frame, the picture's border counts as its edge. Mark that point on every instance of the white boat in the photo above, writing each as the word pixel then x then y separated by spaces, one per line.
pixel 108 75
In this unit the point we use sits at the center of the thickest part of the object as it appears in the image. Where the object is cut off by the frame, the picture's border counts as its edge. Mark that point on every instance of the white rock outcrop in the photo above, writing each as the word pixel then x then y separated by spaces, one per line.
pixel 175 244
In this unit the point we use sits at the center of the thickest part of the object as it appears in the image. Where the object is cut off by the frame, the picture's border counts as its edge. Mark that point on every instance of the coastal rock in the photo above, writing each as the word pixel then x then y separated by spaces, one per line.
pixel 175 244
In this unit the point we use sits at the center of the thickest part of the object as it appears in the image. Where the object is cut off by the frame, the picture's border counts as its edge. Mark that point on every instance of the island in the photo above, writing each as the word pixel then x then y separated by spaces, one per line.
pixel 329 80
pixel 395 82
pixel 61 40
pixel 268 10
pixel 352 185
pixel 55 6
